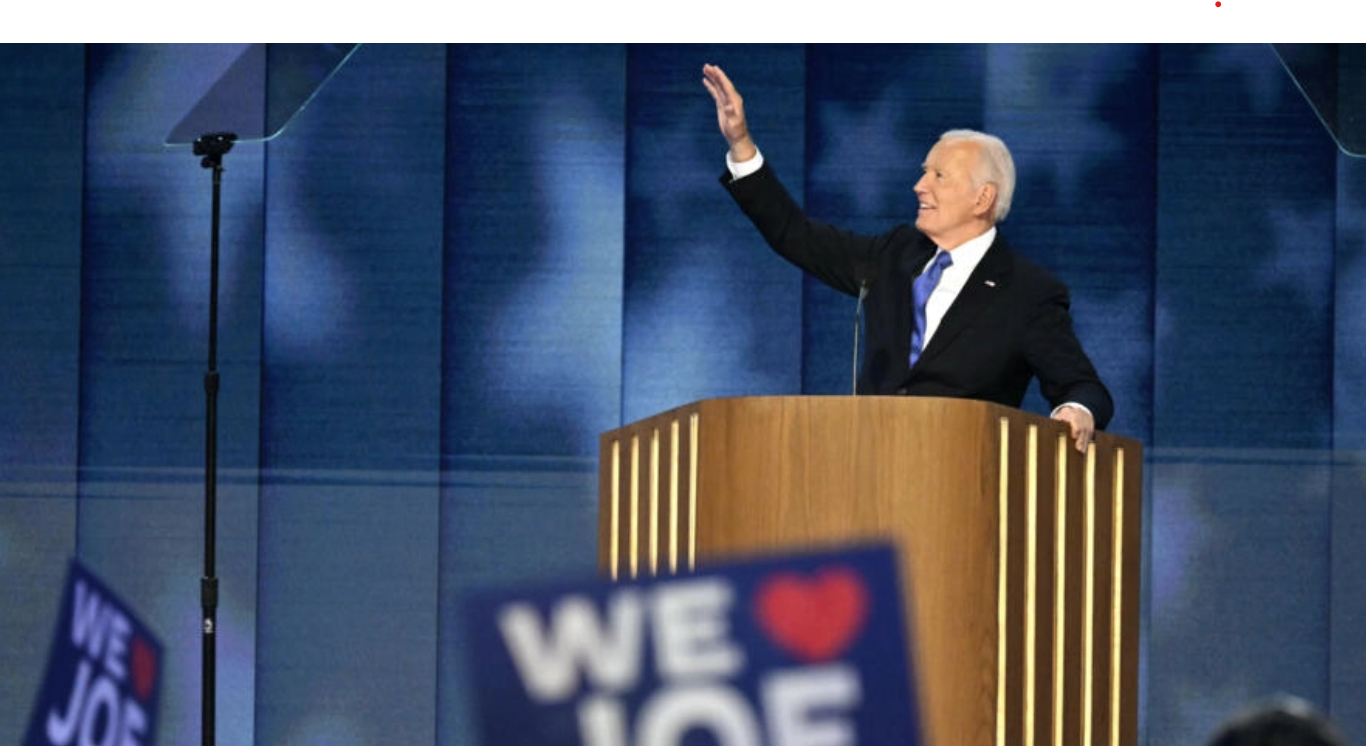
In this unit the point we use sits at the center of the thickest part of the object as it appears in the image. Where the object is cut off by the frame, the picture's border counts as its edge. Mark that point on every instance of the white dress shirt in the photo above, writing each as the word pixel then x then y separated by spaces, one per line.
pixel 966 257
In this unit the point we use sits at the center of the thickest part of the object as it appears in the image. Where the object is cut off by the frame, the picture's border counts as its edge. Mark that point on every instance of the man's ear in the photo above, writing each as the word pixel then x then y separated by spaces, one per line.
pixel 986 199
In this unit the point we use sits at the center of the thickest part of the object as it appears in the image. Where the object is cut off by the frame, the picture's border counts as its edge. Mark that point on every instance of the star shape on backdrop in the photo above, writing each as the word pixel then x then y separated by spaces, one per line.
pixel 1063 89
pixel 856 134
pixel 1247 63
pixel 1286 267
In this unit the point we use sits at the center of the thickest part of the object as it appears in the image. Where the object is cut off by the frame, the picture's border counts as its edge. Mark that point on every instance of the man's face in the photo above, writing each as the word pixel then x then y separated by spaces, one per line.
pixel 951 210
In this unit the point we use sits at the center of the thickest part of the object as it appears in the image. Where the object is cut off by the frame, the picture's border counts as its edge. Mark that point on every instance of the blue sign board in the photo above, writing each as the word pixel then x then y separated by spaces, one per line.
pixel 798 651
pixel 103 673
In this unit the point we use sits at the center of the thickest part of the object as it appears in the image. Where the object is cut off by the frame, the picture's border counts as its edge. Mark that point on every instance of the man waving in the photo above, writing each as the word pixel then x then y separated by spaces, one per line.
pixel 952 310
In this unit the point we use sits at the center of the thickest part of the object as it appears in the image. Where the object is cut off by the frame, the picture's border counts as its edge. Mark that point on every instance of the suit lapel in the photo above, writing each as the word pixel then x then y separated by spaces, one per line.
pixel 987 283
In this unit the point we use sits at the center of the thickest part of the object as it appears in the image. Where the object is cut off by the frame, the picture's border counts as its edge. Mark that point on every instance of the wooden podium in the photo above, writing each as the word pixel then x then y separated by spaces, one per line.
pixel 1019 555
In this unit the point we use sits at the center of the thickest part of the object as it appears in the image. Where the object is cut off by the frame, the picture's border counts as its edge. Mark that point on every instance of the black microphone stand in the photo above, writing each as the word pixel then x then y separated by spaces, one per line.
pixel 858 324
pixel 212 147
pixel 864 274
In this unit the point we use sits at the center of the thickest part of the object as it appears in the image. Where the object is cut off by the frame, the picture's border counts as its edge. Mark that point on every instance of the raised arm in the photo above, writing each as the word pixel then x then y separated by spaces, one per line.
pixel 730 113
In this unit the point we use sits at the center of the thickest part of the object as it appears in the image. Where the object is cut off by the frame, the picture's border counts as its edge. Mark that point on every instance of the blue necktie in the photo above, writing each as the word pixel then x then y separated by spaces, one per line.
pixel 920 295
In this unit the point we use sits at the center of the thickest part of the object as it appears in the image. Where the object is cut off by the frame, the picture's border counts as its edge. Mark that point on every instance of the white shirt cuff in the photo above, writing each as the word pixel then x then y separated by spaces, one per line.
pixel 1082 407
pixel 744 168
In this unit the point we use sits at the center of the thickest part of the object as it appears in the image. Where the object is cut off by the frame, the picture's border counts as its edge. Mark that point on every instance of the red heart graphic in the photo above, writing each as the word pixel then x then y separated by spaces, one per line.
pixel 144 668
pixel 813 619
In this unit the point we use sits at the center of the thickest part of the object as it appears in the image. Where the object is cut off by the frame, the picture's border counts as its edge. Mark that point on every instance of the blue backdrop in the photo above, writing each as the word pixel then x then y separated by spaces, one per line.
pixel 462 263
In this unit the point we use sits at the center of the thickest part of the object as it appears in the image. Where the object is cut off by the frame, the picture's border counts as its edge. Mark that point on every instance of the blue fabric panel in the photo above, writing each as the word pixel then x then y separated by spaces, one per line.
pixel 1241 527
pixel 1244 266
pixel 351 408
pixel 43 90
pixel 42 103
pixel 534 211
pixel 1239 585
pixel 874 112
pixel 1080 123
pixel 1349 308
pixel 145 288
pixel 532 334
pixel 353 270
pixel 1348 637
pixel 146 269
pixel 504 521
pixel 709 311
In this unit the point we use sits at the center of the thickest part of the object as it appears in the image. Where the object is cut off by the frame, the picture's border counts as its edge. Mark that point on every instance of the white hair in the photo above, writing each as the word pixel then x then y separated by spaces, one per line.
pixel 995 167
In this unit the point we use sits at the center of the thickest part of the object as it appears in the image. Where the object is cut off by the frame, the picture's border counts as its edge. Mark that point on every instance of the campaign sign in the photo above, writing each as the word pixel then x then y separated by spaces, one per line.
pixel 103 673
pixel 800 651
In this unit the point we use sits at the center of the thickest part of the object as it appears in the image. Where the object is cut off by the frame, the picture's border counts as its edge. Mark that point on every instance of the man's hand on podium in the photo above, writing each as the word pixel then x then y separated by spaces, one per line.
pixel 1081 422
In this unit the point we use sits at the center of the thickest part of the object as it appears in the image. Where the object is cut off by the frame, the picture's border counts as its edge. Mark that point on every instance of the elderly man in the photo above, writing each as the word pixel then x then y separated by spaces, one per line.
pixel 952 310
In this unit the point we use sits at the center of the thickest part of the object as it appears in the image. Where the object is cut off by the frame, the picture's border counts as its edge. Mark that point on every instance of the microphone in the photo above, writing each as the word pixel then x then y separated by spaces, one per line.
pixel 863 273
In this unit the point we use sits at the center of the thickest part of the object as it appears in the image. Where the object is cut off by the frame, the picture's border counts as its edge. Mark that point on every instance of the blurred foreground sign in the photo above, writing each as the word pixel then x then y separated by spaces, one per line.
pixel 103 673
pixel 801 651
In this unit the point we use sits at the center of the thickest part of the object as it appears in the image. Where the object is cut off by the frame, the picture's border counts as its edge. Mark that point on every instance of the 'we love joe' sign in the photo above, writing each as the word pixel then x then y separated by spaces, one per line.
pixel 802 651
pixel 103 677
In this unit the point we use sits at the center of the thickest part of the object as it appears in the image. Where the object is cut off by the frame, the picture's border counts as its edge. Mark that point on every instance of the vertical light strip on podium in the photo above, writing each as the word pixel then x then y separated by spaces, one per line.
pixel 695 423
pixel 614 550
pixel 1002 584
pixel 1089 600
pixel 653 542
pixel 1116 597
pixel 673 496
pixel 633 558
pixel 1031 576
pixel 1060 589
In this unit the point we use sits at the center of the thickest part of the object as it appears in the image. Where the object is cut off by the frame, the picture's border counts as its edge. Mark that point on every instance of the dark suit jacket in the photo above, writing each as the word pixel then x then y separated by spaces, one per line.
pixel 1009 323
